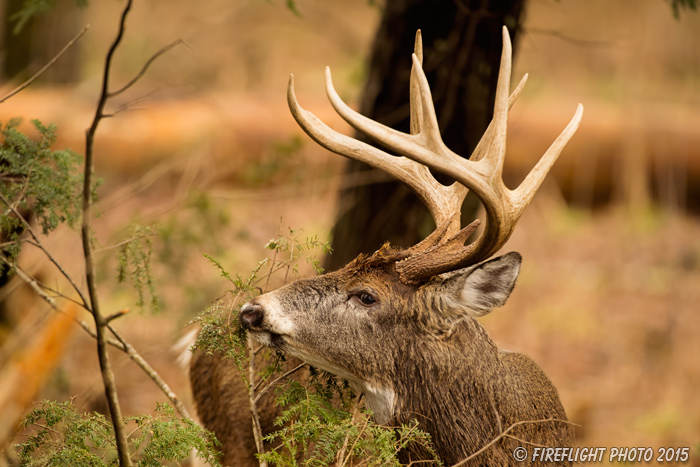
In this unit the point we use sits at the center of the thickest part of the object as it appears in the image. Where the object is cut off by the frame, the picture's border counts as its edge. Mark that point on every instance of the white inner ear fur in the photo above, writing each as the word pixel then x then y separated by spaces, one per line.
pixel 489 284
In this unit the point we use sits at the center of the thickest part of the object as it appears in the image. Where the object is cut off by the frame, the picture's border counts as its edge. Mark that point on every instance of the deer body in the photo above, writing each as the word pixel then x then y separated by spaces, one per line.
pixel 401 325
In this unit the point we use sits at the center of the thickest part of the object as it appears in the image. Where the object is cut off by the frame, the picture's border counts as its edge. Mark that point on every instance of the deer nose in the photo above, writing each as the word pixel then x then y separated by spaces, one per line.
pixel 251 315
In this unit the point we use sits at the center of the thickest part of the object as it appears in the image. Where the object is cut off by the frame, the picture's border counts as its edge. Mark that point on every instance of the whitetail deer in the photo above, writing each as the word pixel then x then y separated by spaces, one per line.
pixel 399 325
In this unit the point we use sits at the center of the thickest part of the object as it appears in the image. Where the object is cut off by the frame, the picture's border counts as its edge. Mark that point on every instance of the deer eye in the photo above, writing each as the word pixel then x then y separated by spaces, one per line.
pixel 367 299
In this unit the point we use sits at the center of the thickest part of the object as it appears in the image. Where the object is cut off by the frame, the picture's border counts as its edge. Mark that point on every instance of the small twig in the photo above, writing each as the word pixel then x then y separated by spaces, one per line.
pixel 232 307
pixel 269 274
pixel 63 272
pixel 13 242
pixel 257 430
pixel 406 435
pixel 92 333
pixel 31 282
pixel 130 105
pixel 353 419
pixel 277 380
pixel 524 441
pixel 570 40
pixel 125 242
pixel 505 434
pixel 116 315
pixel 148 63
pixel 424 461
pixel 146 441
pixel 59 294
pixel 37 243
pixel 495 412
pixel 25 185
pixel 148 369
pixel 45 67
pixel 289 264
pixel 354 443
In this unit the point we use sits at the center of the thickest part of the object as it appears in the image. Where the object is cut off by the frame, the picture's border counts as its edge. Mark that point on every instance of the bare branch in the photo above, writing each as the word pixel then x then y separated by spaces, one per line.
pixel 571 40
pixel 148 63
pixel 354 443
pixel 58 294
pixel 145 443
pixel 31 282
pixel 148 369
pixel 129 106
pixel 257 430
pixel 86 229
pixel 125 242
pixel 47 66
pixel 353 419
pixel 37 243
pixel 524 441
pixel 116 315
pixel 504 434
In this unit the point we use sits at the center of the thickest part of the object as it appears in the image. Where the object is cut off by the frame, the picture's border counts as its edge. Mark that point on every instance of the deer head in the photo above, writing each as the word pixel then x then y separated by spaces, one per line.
pixel 400 324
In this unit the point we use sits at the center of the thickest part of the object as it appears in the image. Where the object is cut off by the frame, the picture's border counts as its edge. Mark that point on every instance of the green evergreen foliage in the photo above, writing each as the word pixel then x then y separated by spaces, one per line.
pixel 34 178
pixel 134 264
pixel 65 437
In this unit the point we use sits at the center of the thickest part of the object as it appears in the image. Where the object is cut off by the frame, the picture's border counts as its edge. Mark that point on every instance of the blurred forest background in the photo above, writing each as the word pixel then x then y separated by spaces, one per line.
pixel 205 150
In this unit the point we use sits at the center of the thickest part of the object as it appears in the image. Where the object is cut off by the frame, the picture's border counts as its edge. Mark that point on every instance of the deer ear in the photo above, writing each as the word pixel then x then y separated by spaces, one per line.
pixel 488 285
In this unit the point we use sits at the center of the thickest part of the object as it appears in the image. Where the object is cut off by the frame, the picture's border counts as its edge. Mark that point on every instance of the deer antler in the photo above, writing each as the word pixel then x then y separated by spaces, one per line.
pixel 444 249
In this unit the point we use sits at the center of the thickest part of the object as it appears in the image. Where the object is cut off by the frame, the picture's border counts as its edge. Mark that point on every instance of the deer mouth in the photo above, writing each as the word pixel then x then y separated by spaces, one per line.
pixel 276 341
pixel 268 338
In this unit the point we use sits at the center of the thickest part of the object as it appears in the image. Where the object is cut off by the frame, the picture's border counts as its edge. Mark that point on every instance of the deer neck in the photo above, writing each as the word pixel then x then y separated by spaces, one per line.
pixel 450 386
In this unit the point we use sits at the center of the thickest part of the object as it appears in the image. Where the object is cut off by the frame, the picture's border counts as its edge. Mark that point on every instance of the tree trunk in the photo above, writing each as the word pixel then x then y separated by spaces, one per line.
pixel 41 38
pixel 462 50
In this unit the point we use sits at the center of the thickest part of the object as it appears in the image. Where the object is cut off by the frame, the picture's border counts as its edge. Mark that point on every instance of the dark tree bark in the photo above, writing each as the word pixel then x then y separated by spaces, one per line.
pixel 462 50
pixel 41 38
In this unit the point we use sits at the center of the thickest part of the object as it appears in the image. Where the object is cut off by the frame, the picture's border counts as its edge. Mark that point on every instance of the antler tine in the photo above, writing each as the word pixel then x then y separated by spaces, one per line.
pixel 495 155
pixel 441 201
pixel 416 108
pixel 529 186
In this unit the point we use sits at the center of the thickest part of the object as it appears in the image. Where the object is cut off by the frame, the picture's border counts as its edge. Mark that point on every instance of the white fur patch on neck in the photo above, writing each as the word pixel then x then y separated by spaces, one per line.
pixel 382 402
